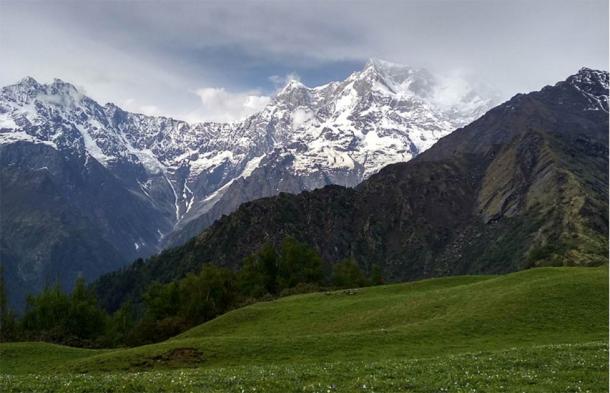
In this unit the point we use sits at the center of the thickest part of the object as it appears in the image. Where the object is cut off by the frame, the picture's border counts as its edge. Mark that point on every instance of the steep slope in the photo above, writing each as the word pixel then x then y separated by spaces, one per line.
pixel 60 219
pixel 76 199
pixel 87 188
pixel 525 185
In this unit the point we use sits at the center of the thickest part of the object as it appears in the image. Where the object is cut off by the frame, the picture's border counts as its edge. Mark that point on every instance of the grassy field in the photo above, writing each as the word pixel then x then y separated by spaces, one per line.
pixel 534 331
pixel 555 368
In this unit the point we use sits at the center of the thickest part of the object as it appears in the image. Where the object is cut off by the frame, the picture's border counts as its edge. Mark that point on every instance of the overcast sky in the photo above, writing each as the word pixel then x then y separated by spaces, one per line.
pixel 222 60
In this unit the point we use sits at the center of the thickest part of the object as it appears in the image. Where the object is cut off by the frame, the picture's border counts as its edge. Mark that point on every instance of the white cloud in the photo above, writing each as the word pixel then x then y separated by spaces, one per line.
pixel 157 51
pixel 279 81
pixel 450 90
pixel 300 117
pixel 220 105
pixel 132 105
pixel 150 110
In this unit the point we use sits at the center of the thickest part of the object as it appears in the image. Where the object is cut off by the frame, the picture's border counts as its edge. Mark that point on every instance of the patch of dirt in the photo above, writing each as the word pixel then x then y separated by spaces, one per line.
pixel 177 357
pixel 186 355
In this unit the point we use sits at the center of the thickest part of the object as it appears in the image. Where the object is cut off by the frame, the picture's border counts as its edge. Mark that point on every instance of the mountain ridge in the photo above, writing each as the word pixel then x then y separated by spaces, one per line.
pixel 524 185
pixel 181 177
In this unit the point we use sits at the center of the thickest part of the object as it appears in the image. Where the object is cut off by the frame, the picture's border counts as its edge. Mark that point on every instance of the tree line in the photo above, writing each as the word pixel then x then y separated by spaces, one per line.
pixel 167 309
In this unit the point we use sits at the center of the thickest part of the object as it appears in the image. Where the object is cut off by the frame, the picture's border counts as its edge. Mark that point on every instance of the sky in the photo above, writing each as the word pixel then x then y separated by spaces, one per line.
pixel 223 60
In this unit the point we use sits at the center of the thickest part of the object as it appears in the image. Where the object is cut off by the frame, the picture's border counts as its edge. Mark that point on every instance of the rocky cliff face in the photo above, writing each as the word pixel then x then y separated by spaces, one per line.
pixel 524 185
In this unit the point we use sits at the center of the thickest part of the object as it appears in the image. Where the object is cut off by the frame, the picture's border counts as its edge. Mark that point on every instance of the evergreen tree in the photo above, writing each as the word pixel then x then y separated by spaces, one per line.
pixel 298 263
pixel 376 275
pixel 207 294
pixel 7 316
pixel 268 260
pixel 53 315
pixel 46 314
pixel 251 278
pixel 161 301
pixel 121 325
pixel 347 274
pixel 85 319
pixel 259 274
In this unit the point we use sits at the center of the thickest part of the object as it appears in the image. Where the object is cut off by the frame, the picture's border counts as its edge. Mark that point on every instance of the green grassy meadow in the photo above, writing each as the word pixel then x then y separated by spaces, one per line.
pixel 533 331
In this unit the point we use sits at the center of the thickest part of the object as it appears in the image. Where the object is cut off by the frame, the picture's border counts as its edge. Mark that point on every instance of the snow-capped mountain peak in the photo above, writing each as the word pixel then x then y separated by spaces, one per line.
pixel 340 132
pixel 292 84
pixel 593 84
pixel 28 83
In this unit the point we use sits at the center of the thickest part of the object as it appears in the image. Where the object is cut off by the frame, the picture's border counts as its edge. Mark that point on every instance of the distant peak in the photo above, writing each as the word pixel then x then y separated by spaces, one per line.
pixel 586 70
pixel 60 84
pixel 385 66
pixel 380 64
pixel 28 81
pixel 293 84
pixel 590 71
pixel 25 87
pixel 371 62
pixel 390 73
pixel 589 76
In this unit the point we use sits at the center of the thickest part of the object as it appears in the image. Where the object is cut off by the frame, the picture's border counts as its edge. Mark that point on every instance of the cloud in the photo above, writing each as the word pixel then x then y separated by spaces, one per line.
pixel 220 105
pixel 150 110
pixel 132 105
pixel 300 117
pixel 279 81
pixel 159 51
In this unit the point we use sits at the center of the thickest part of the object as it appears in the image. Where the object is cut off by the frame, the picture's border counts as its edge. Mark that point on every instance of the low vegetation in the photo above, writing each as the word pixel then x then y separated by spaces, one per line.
pixel 165 310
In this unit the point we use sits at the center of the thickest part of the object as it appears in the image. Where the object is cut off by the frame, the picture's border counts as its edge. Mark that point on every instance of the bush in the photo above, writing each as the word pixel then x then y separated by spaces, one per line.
pixel 347 274
pixel 301 288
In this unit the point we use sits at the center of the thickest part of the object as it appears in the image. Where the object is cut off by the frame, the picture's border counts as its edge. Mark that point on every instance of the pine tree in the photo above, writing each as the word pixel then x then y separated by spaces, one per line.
pixel 7 317
pixel 376 275
pixel 347 274
pixel 3 299
pixel 298 264
pixel 85 319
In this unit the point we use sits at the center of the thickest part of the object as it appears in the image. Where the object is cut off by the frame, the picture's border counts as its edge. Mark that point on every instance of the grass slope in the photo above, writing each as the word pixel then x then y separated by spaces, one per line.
pixel 413 326
pixel 33 357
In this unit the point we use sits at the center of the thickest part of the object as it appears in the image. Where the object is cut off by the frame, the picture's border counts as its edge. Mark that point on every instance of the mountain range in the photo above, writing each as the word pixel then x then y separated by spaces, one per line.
pixel 525 185
pixel 87 188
